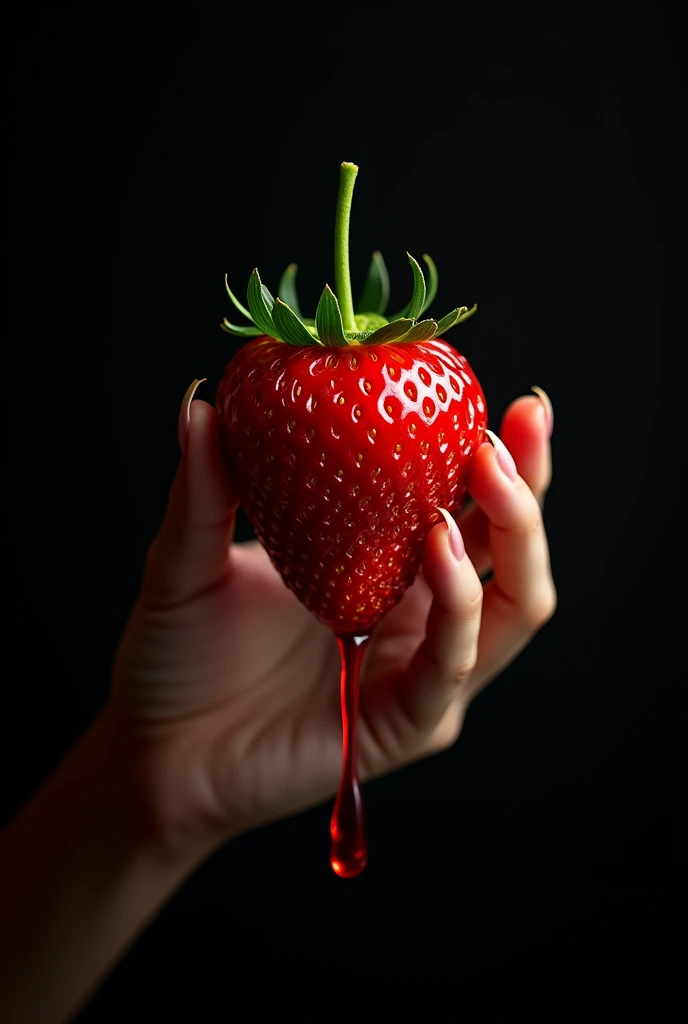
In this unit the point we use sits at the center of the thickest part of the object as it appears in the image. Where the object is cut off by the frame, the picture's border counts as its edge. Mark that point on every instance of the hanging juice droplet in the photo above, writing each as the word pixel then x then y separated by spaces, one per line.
pixel 349 849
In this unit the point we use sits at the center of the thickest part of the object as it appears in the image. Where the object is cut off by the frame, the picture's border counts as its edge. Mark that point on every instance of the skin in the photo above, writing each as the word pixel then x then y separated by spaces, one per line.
pixel 210 731
pixel 239 732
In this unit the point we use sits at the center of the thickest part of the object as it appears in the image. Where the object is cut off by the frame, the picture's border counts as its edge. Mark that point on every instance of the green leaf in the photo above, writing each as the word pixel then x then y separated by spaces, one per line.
pixel 417 303
pixel 390 332
pixel 260 302
pixel 469 313
pixel 453 318
pixel 450 319
pixel 289 325
pixel 286 289
pixel 431 291
pixel 242 309
pixel 328 319
pixel 375 294
pixel 422 330
pixel 432 286
pixel 240 332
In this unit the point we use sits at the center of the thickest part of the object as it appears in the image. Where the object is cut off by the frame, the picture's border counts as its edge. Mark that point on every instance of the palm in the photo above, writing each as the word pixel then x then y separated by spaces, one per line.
pixel 245 706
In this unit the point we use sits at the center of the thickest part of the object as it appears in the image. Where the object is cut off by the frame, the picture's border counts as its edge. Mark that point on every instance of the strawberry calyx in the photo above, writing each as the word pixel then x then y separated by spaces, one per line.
pixel 338 322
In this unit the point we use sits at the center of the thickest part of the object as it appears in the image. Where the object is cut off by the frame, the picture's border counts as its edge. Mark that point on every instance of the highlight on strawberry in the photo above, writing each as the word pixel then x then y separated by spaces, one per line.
pixel 345 434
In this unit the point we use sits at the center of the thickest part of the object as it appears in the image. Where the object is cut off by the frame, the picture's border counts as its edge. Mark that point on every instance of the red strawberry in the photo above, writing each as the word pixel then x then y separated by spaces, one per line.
pixel 342 456
pixel 346 433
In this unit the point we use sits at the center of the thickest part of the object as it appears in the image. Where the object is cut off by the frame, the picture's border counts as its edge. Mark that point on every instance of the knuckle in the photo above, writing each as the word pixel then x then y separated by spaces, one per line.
pixel 530 518
pixel 541 607
pixel 544 490
pixel 531 523
pixel 462 670
pixel 472 605
pixel 448 731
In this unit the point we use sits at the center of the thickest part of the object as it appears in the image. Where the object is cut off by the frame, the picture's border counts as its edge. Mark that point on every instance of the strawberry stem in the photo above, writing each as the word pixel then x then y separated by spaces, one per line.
pixel 342 274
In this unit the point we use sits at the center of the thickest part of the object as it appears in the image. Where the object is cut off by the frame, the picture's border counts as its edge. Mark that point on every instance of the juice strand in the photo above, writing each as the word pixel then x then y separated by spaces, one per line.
pixel 349 849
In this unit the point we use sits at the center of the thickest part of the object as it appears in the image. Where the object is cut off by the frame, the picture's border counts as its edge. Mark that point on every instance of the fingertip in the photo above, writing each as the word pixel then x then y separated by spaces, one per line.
pixel 202 420
pixel 528 418
pixel 484 459
pixel 436 550
pixel 489 485
pixel 447 570
pixel 204 449
pixel 525 414
pixel 203 493
pixel 548 410
pixel 525 430
pixel 454 539
pixel 505 459
pixel 184 419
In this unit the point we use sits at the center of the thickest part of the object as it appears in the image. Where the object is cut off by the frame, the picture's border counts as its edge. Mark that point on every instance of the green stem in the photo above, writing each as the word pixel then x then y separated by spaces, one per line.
pixel 342 275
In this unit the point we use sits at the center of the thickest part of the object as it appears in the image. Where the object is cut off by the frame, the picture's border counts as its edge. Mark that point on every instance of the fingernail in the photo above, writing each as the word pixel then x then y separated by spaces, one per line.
pixel 185 415
pixel 456 544
pixel 547 405
pixel 504 456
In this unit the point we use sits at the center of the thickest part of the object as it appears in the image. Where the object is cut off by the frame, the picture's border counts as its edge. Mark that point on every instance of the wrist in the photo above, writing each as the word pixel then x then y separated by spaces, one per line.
pixel 81 874
pixel 136 792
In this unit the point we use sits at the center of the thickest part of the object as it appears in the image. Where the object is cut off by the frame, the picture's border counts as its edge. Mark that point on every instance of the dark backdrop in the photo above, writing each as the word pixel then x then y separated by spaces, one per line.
pixel 536 154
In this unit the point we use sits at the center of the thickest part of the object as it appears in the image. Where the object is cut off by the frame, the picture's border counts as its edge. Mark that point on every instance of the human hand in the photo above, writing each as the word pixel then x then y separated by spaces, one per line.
pixel 227 689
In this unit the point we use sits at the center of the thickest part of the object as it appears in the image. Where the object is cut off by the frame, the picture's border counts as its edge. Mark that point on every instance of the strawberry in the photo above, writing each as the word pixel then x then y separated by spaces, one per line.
pixel 345 434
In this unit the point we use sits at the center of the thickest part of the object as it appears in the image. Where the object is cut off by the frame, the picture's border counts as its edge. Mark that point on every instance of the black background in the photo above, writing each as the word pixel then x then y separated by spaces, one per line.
pixel 536 153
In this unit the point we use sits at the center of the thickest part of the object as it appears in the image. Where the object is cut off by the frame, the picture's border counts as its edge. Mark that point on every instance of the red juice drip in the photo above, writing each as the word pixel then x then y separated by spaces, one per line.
pixel 349 849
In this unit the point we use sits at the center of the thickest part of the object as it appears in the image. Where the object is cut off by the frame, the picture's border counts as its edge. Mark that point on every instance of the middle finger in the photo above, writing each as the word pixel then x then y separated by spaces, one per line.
pixel 521 596
pixel 525 429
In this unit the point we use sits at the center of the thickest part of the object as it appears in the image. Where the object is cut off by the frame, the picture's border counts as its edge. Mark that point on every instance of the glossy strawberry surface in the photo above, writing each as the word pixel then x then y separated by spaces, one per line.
pixel 341 457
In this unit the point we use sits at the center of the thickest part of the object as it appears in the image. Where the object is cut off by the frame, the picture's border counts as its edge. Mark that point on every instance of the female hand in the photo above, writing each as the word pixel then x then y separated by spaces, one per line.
pixel 227 689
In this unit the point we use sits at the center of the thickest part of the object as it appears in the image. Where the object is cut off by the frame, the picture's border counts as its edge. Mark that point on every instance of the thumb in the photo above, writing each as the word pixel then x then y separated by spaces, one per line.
pixel 191 552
